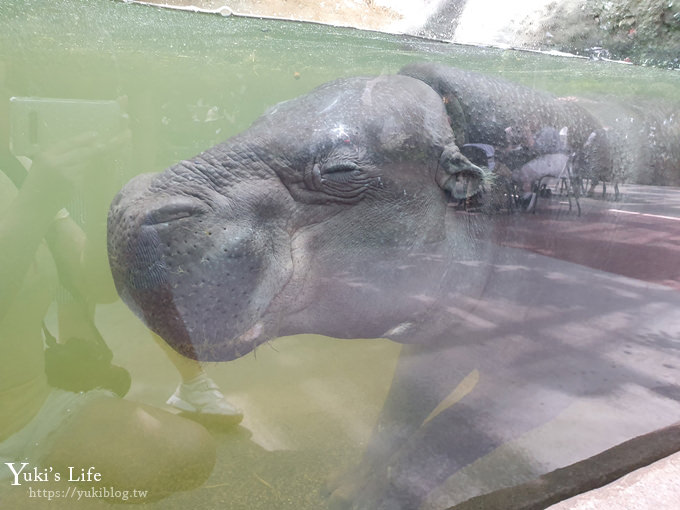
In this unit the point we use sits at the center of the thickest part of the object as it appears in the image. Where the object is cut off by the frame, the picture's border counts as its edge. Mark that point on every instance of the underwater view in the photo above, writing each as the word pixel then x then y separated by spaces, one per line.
pixel 251 263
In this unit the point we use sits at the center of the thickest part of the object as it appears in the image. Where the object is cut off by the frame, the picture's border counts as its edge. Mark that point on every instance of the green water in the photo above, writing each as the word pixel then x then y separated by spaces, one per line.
pixel 187 81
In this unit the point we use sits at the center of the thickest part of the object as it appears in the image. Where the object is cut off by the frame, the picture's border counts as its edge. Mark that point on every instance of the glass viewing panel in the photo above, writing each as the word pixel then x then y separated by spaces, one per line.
pixel 254 263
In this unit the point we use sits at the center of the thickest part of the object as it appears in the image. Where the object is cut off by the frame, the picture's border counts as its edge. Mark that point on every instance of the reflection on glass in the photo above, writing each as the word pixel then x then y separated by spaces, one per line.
pixel 391 207
pixel 55 403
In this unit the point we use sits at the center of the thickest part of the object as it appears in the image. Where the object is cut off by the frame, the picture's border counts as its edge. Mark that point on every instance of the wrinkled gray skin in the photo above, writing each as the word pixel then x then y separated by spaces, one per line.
pixel 329 216
pixel 287 227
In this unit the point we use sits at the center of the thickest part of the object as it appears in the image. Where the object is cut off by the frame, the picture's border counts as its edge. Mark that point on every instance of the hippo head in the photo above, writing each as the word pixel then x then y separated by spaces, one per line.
pixel 311 221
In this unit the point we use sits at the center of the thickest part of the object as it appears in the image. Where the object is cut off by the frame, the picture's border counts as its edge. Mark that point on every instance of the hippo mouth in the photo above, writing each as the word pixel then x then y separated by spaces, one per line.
pixel 225 350
pixel 208 308
pixel 207 320
pixel 199 336
pixel 213 309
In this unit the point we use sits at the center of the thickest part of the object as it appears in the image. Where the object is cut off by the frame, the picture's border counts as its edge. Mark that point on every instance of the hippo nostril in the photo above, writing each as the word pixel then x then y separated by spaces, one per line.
pixel 173 212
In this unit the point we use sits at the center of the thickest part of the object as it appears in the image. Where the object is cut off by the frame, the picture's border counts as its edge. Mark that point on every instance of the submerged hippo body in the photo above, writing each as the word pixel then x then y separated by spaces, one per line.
pixel 330 215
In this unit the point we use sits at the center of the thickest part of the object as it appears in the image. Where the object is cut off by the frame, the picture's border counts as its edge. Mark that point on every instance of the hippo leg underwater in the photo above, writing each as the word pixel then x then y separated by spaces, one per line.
pixel 329 215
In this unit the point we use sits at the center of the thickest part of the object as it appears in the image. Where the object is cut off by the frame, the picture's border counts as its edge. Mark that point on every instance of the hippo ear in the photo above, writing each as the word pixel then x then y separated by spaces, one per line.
pixel 457 175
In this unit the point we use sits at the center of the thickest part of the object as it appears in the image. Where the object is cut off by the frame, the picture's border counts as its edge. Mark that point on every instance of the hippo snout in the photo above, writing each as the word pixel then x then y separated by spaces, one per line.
pixel 190 274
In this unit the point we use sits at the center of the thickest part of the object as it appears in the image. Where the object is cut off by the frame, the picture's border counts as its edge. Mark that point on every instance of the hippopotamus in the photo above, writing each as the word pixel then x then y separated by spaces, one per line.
pixel 274 210
pixel 380 152
pixel 330 215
